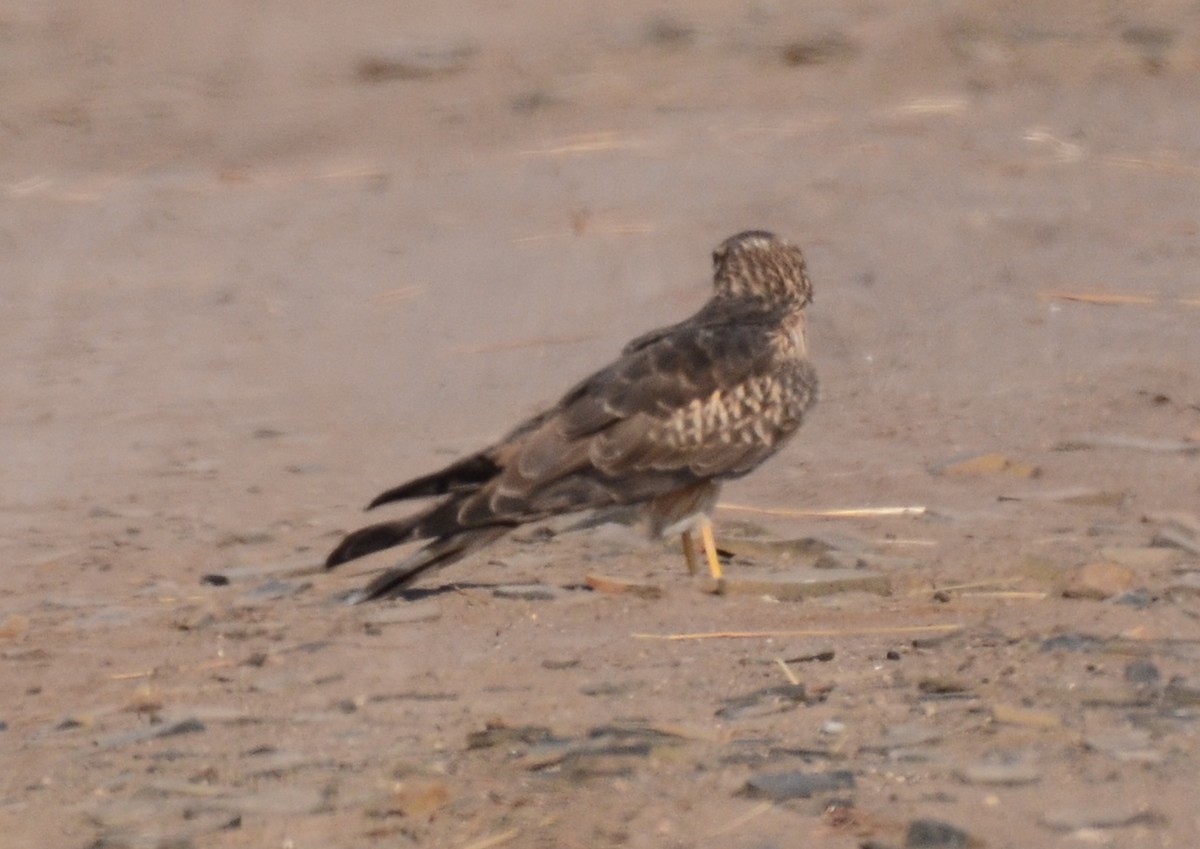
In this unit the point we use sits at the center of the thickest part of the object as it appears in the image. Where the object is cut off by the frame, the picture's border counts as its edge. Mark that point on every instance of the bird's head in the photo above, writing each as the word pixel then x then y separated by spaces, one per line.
pixel 760 266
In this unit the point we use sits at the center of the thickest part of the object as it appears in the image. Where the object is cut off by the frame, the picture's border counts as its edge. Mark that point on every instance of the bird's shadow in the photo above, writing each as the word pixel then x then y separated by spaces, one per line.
pixel 422 593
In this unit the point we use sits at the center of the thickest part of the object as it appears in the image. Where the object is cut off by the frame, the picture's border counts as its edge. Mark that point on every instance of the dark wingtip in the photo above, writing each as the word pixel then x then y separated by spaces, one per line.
pixel 368 540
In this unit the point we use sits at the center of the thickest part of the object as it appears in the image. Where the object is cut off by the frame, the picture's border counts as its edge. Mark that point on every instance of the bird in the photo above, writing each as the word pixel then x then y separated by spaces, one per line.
pixel 681 410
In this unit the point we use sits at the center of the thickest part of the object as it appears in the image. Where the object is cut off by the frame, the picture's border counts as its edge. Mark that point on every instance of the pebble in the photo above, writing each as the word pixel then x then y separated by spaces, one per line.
pixel 935 834
pixel 1098 580
pixel 805 583
pixel 1142 671
pixel 780 786
pixel 1139 598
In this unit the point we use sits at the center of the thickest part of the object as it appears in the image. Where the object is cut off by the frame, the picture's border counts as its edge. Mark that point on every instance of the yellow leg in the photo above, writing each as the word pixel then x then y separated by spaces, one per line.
pixel 689 553
pixel 710 548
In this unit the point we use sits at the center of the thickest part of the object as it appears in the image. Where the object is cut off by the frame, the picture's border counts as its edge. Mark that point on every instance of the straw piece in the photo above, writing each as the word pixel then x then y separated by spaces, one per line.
pixel 836 513
pixel 814 632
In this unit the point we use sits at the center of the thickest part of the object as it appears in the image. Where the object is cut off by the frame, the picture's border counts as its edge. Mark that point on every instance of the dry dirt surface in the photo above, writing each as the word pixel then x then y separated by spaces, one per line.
pixel 262 261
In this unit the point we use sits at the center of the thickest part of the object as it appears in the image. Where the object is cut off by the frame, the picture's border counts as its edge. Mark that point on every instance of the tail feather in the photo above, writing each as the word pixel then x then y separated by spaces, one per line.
pixel 466 475
pixel 440 552
pixel 370 539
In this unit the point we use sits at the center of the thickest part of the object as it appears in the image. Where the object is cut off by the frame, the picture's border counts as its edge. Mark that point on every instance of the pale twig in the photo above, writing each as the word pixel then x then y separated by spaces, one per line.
pixel 787 671
pixel 814 632
pixel 1117 299
pixel 836 513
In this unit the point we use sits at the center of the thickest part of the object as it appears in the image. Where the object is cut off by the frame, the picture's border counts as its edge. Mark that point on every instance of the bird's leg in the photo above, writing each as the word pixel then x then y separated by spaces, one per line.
pixel 689 552
pixel 710 548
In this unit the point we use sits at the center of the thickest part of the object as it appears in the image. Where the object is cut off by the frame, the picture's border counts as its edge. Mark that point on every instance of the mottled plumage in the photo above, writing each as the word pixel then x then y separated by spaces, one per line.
pixel 682 409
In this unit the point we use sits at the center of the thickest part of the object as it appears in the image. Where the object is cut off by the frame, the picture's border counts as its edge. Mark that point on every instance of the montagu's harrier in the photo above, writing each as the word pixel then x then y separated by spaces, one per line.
pixel 682 409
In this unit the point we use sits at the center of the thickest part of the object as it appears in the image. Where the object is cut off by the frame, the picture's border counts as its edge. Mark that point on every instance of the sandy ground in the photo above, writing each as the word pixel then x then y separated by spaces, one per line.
pixel 260 265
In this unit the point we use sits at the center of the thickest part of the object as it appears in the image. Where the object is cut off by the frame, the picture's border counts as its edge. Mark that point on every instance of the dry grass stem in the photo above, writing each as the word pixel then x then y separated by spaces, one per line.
pixel 787 671
pixel 1117 299
pixel 837 513
pixel 813 632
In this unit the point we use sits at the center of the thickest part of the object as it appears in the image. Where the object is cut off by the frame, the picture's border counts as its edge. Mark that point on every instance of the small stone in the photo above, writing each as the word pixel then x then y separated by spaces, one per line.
pixel 805 583
pixel 832 727
pixel 934 834
pixel 1141 671
pixel 1138 598
pixel 779 786
pixel 1098 580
